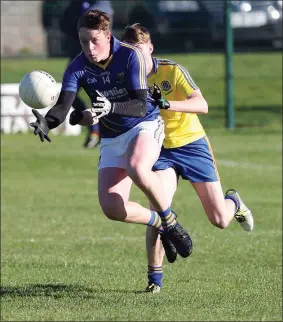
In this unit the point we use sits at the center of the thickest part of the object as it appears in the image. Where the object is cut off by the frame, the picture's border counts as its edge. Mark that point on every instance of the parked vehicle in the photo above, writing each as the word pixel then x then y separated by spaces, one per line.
pixel 185 25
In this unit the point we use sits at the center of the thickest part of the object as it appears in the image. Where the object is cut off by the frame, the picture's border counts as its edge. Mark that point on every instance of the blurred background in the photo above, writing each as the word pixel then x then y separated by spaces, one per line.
pixel 178 26
pixel 42 35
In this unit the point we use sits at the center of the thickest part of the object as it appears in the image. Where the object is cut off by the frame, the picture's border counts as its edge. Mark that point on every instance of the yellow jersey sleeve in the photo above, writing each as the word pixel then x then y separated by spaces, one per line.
pixel 184 82
pixel 176 84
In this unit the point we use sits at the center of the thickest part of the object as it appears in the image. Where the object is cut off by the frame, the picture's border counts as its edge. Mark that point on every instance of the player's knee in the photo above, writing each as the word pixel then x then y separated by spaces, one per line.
pixel 219 221
pixel 221 224
pixel 113 210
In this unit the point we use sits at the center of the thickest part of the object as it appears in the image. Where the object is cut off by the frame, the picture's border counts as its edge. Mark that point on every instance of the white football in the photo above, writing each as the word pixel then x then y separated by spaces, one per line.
pixel 38 89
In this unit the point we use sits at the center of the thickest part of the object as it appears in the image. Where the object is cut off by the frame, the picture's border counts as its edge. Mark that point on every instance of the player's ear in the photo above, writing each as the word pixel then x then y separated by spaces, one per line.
pixel 108 36
pixel 151 48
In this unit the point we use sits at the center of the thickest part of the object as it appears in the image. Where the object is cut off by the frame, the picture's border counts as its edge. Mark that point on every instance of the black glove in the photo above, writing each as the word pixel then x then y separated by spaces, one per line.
pixel 75 117
pixel 155 92
pixel 40 126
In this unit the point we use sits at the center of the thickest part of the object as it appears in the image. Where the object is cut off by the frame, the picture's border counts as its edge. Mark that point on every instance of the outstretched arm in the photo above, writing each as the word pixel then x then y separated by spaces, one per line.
pixel 54 117
pixel 57 114
pixel 194 103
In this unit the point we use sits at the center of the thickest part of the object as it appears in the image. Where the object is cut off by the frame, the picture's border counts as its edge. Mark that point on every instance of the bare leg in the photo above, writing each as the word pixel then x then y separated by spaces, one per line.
pixel 113 190
pixel 219 211
pixel 154 247
pixel 143 152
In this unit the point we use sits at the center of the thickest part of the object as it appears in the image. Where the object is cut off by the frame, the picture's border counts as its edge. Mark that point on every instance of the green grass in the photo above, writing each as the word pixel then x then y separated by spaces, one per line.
pixel 62 260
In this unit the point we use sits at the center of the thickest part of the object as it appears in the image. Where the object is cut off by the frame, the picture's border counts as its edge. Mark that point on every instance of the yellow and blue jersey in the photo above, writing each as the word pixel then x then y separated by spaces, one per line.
pixel 186 147
pixel 176 84
pixel 124 71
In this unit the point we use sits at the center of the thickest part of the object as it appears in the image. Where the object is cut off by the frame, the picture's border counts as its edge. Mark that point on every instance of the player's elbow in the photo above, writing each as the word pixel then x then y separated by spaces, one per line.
pixel 142 113
pixel 204 106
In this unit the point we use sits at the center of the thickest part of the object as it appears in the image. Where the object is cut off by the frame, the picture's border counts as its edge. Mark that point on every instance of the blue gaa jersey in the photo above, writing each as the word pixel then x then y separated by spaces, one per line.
pixel 123 71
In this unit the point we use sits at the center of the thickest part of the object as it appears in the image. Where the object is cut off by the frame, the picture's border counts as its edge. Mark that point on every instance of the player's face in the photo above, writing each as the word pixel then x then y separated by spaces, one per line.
pixel 95 44
pixel 146 49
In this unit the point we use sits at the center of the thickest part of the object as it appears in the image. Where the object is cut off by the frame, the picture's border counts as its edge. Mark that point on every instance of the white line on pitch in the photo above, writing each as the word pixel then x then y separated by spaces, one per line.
pixel 231 163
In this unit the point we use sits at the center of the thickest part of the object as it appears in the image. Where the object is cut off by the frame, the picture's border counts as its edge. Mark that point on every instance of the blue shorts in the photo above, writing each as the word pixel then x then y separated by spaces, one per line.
pixel 194 162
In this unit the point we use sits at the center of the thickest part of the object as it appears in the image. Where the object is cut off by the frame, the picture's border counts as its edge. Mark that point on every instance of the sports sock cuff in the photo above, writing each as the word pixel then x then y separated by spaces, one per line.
pixel 152 218
pixel 164 213
pixel 154 268
pixel 235 200
pixel 155 277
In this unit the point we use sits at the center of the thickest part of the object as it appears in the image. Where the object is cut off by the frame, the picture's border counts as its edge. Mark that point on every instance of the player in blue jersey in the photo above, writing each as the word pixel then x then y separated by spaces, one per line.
pixel 113 74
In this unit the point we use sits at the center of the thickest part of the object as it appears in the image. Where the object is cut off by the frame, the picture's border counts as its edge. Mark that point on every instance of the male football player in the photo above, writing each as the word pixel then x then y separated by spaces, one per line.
pixel 113 74
pixel 186 150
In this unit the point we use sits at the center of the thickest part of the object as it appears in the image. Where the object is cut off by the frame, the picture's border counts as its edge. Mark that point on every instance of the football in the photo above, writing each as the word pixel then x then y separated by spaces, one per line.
pixel 38 89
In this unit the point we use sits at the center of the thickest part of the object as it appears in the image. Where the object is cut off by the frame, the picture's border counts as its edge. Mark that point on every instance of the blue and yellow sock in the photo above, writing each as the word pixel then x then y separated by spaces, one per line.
pixel 155 221
pixel 168 218
pixel 155 275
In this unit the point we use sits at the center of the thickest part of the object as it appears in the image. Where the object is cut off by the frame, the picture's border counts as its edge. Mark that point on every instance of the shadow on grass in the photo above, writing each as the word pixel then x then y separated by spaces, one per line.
pixel 58 291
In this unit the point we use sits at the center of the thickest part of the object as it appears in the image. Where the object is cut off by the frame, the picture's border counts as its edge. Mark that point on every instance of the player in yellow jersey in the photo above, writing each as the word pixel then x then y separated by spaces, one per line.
pixel 186 150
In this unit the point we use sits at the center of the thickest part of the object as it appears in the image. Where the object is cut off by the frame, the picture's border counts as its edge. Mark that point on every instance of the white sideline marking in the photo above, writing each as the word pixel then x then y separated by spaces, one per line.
pixel 255 166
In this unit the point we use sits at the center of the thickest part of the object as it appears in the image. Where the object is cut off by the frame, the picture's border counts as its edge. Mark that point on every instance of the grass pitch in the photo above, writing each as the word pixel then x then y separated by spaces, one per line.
pixel 62 260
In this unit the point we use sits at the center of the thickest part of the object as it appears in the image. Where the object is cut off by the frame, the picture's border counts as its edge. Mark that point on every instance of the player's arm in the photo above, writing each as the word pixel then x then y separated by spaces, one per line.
pixel 136 84
pixel 54 117
pixel 57 114
pixel 194 101
pixel 135 107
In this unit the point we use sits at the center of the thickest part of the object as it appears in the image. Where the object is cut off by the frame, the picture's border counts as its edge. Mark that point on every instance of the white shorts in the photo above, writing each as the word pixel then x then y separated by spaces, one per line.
pixel 113 151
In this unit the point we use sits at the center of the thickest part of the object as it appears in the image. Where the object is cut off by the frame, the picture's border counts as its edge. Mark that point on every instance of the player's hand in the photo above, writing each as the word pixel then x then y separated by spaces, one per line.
pixel 75 117
pixel 156 94
pixel 101 106
pixel 40 126
pixel 84 118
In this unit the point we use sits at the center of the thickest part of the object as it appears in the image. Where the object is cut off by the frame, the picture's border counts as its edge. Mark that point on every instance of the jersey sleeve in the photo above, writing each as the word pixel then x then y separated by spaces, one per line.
pixel 71 80
pixel 184 82
pixel 136 71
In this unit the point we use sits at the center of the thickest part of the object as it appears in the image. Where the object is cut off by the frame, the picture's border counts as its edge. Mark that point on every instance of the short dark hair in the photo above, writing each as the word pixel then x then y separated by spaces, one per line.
pixel 136 34
pixel 95 19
